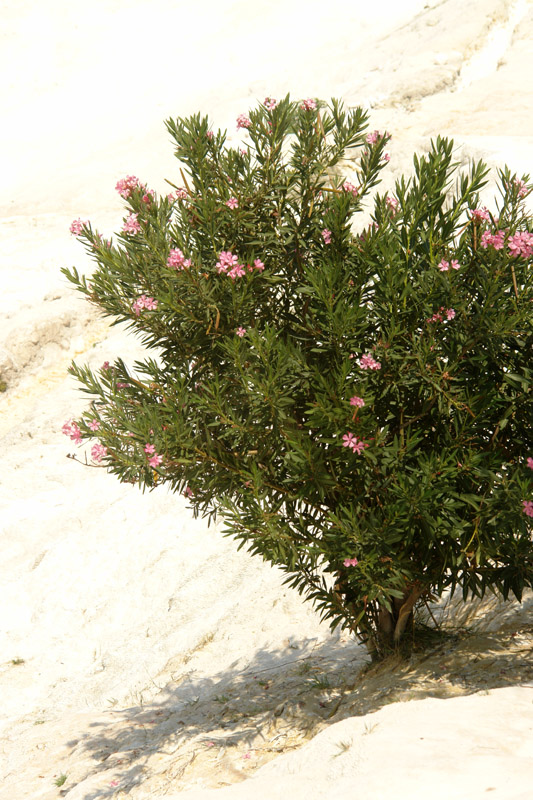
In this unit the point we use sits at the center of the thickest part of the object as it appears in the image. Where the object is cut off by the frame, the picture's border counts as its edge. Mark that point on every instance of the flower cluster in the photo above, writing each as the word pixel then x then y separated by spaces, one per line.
pixel 355 444
pixel 243 121
pixel 521 244
pixel 72 430
pixel 149 303
pixel 177 259
pixel 270 103
pixel 350 188
pixel 528 507
pixel 154 459
pixel 392 204
pixel 350 562
pixel 449 313
pixel 229 264
pixel 357 401
pixel 124 187
pixel 308 105
pixel 77 227
pixel 496 240
pixel 480 213
pixel 444 265
pixel 131 224
pixel 326 235
pixel 520 186
pixel 98 451
pixel 367 362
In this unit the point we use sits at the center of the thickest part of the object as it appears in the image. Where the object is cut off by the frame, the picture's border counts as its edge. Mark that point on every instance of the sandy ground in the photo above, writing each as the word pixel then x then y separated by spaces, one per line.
pixel 141 656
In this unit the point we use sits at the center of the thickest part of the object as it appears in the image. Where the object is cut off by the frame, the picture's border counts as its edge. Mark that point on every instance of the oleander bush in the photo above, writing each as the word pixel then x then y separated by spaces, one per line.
pixel 353 402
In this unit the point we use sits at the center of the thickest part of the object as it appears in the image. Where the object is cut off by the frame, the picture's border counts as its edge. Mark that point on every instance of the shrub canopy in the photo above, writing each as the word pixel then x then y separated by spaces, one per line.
pixel 356 403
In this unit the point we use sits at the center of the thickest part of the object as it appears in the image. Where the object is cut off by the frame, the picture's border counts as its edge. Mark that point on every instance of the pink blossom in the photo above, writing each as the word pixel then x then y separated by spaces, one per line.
pixel 243 121
pixel 125 185
pixel 98 451
pixel 308 105
pixel 521 244
pixel 357 445
pixel 232 202
pixel 176 258
pixel 258 264
pixel 392 204
pixel 350 562
pixel 179 194
pixel 521 186
pixel 386 157
pixel 131 224
pixel 528 507
pixel 373 137
pixel 105 365
pixel 455 264
pixel 77 227
pixel 226 260
pixel 94 424
pixel 237 272
pixel 529 462
pixel 444 266
pixel 357 401
pixel 326 235
pixel 122 385
pixel 496 240
pixel 367 362
pixel 210 134
pixel 480 213
pixel 241 331
pixel 72 430
pixel 144 302
pixel 149 448
pixel 156 460
pixel 450 313
pixel 188 492
pixel 349 187
pixel 270 103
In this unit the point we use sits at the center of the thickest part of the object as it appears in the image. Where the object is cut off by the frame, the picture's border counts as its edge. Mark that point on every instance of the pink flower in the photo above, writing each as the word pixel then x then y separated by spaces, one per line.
pixel 357 445
pixel 450 313
pixel 326 235
pixel 350 562
pixel 98 451
pixel 528 507
pixel 94 424
pixel 357 401
pixel 496 240
pixel 444 266
pixel 210 134
pixel 270 103
pixel 188 492
pixel 237 272
pixel 258 264
pixel 367 362
pixel 77 227
pixel 232 202
pixel 156 460
pixel 176 258
pixel 308 105
pixel 521 244
pixel 226 260
pixel 125 185
pixel 529 462
pixel 386 157
pixel 131 225
pixel 144 302
pixel 480 213
pixel 72 429
pixel 373 137
pixel 521 186
pixel 105 365
pixel 349 187
pixel 455 264
pixel 243 121
pixel 149 448
pixel 241 331
pixel 392 204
